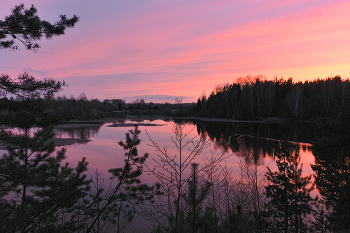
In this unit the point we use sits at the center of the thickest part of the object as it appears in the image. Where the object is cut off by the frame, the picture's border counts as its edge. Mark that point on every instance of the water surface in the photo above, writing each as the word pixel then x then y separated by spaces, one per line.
pixel 239 142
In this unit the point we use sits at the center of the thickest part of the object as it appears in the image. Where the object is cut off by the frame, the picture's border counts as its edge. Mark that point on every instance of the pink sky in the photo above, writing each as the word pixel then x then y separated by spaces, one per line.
pixel 159 50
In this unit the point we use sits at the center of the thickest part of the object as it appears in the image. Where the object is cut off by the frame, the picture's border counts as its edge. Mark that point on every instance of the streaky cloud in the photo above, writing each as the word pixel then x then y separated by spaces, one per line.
pixel 159 98
pixel 34 71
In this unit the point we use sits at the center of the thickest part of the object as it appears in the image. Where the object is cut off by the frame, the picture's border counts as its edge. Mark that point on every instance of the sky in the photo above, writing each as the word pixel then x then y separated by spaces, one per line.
pixel 162 50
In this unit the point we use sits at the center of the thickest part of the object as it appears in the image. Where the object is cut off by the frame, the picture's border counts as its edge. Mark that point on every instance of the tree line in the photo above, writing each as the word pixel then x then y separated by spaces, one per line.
pixel 82 108
pixel 256 97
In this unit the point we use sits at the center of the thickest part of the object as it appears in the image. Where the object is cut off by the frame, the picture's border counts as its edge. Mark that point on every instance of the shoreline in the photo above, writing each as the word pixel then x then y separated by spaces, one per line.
pixel 120 122
pixel 58 142
pixel 139 120
pixel 269 120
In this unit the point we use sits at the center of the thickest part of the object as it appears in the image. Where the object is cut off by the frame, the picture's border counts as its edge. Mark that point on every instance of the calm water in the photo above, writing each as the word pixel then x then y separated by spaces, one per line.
pixel 240 142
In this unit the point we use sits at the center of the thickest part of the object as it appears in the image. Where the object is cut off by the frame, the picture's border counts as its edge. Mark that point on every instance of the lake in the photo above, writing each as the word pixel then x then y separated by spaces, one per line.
pixel 244 149
pixel 240 141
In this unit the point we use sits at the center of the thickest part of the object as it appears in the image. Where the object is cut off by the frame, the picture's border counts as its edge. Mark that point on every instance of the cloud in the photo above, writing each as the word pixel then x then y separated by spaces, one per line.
pixel 158 98
pixel 150 86
pixel 34 71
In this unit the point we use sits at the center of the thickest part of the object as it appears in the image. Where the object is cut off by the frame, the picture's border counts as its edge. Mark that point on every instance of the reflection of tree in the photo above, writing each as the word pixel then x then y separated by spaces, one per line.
pixel 260 139
pixel 252 173
pixel 252 149
pixel 332 168
pixel 81 132
pixel 288 192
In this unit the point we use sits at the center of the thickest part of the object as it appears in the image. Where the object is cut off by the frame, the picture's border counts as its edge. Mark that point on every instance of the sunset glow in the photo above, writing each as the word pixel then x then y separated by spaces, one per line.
pixel 161 50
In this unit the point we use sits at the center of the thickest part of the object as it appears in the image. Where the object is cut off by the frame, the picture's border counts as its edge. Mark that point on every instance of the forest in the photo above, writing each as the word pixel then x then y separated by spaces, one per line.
pixel 256 98
pixel 82 108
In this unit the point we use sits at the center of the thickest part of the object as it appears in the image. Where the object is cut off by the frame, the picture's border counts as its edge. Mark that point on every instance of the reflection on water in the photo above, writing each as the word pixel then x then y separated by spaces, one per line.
pixel 247 141
pixel 259 139
pixel 332 170
pixel 85 131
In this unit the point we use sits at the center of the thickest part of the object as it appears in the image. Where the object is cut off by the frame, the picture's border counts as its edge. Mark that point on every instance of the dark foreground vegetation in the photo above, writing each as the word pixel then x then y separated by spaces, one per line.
pixel 39 193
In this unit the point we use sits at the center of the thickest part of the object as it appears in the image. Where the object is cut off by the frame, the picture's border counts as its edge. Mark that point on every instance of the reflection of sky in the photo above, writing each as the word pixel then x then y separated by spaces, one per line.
pixel 103 152
pixel 180 48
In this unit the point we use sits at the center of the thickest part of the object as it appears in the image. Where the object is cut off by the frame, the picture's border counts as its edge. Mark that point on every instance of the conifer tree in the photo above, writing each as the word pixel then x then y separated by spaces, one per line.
pixel 288 192
pixel 332 169
pixel 27 87
pixel 123 196
pixel 37 192
pixel 26 26
pixel 35 187
pixel 196 194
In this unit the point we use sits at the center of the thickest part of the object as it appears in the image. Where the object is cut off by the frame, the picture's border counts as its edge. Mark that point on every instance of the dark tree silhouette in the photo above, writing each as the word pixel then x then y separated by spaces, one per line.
pixel 123 196
pixel 256 98
pixel 196 194
pixel 332 169
pixel 35 187
pixel 25 26
pixel 26 86
pixel 288 193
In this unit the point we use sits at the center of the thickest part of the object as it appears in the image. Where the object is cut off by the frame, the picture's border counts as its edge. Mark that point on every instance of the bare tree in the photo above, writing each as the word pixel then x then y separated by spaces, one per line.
pixel 295 100
pixel 82 98
pixel 121 196
pixel 170 170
